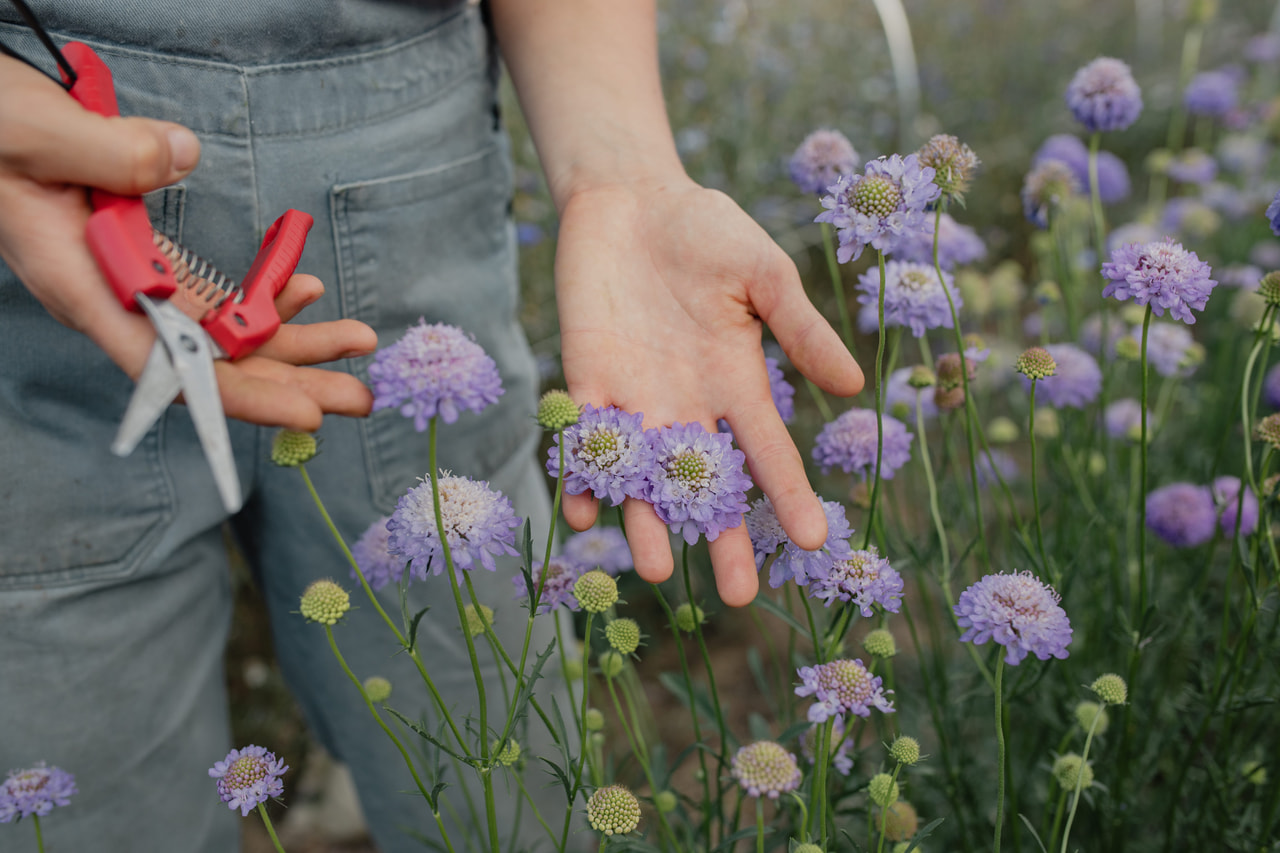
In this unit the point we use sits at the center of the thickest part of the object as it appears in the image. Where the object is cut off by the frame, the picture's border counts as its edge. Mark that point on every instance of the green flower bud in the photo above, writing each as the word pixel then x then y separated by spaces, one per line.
pixel 1129 348
pixel 623 635
pixel 325 602
pixel 613 810
pixel 291 448
pixel 922 377
pixel 573 668
pixel 594 720
pixel 689 616
pixel 595 591
pixel 1269 288
pixel 1047 293
pixel 556 410
pixel 1070 768
pixel 477 620
pixel 905 750
pixel 1098 463
pixel 666 801
pixel 1002 430
pixel 883 790
pixel 880 643
pixel 1036 363
pixel 377 688
pixel 900 821
pixel 610 664
pixel 1254 772
pixel 508 755
pixel 808 847
pixel 1047 423
pixel 1086 712
pixel 1111 689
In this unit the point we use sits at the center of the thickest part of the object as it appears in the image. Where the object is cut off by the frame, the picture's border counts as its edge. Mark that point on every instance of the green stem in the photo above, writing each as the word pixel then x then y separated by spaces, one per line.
pixel 1142 479
pixel 934 510
pixel 875 487
pixel 582 726
pixel 818 797
pixel 837 286
pixel 640 752
pixel 1035 488
pixel 760 821
pixel 266 821
pixel 39 835
pixel 723 729
pixel 1000 751
pixel 884 811
pixel 1075 797
pixel 1100 250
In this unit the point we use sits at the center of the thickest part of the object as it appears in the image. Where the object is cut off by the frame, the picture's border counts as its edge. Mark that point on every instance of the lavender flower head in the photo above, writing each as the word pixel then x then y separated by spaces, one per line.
pixel 913 296
pixel 1271 387
pixel 1048 187
pixel 607 452
pixel 1211 93
pixel 1163 275
pixel 1123 419
pixel 842 687
pixel 562 573
pixel 1193 166
pixel 881 206
pixel 1113 175
pixel 1104 96
pixel 1171 349
pixel 479 525
pixel 1226 495
pixel 1075 384
pixel 821 159
pixel 1019 612
pixel 958 245
pixel 375 561
pixel 600 547
pixel 248 777
pixel 849 443
pixel 1273 215
pixel 900 397
pixel 865 578
pixel 765 769
pixel 696 484
pixel 794 562
pixel 1182 514
pixel 34 792
pixel 434 370
pixel 782 391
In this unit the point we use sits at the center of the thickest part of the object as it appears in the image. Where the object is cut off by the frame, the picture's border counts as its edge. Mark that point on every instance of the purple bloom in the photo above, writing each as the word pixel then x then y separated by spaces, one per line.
pixel 1091 335
pixel 842 687
pixel 794 562
pixel 1019 612
pixel 900 397
pixel 1211 93
pixel 607 452
pixel 35 791
pixel 480 524
pixel 1243 276
pixel 1193 166
pixel 1191 216
pixel 248 777
pixel 1047 187
pixel 1244 155
pixel 1163 275
pixel 957 245
pixel 1077 381
pixel 1104 96
pixel 434 370
pixel 1182 514
pixel 373 558
pixel 880 207
pixel 562 574
pixel 600 547
pixel 1124 419
pixel 913 296
pixel 849 443
pixel 1170 349
pixel 1273 215
pixel 822 157
pixel 1271 387
pixel 696 484
pixel 1263 48
pixel 1226 495
pixel 1113 175
pixel 993 463
pixel 782 391
pixel 765 769
pixel 865 578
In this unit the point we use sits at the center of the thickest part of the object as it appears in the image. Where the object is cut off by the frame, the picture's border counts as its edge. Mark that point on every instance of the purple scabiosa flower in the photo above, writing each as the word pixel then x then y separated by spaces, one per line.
pixel 1075 384
pixel 375 561
pixel 1273 214
pixel 1263 48
pixel 849 443
pixel 793 562
pixel 765 769
pixel 913 296
pixel 1123 419
pixel 864 578
pixel 434 370
pixel 1243 276
pixel 1182 514
pixel 957 245
pixel 600 547
pixel 1104 96
pixel 562 574
pixel 1019 612
pixel 1171 349
pixel 879 207
pixel 1211 93
pixel 479 523
pixel 842 687
pixel 1193 166
pixel 841 750
pixel 1226 497
pixel 953 164
pixel 34 792
pixel 821 159
pixel 1113 175
pixel 607 452
pixel 1163 275
pixel 782 391
pixel 1242 154
pixel 696 484
pixel 900 397
pixel 248 777
pixel 1048 186
pixel 1271 387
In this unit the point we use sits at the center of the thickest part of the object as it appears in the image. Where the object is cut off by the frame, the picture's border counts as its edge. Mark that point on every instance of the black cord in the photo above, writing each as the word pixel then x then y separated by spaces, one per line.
pixel 29 17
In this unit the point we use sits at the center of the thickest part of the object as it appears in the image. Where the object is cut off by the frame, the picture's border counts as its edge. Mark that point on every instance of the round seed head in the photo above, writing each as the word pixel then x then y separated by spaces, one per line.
pixel 1269 288
pixel 1070 768
pixel 509 754
pixel 556 410
pixel 666 801
pixel 883 790
pixel 613 810
pixel 689 616
pixel 952 161
pixel 611 663
pixel 900 821
pixel 291 448
pixel 921 377
pixel 1087 712
pixel 595 591
pixel 765 769
pixel 477 620
pixel 808 847
pixel 880 643
pixel 1036 363
pixel 594 720
pixel 1111 689
pixel 325 602
pixel 377 688
pixel 623 635
pixel 905 750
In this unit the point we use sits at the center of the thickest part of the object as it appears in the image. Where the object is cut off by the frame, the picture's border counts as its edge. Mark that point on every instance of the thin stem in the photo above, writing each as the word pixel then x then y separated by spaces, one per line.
pixel 884 811
pixel 39 835
pixel 875 488
pixel 759 825
pixel 1000 751
pixel 1100 250
pixel 934 509
pixel 837 286
pixel 723 754
pixel 582 716
pixel 1075 797
pixel 640 752
pixel 266 821
pixel 1035 487
pixel 1142 480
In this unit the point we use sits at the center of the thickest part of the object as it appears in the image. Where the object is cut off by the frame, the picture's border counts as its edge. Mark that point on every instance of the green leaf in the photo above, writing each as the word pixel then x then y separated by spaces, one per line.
pixel 432 739
pixel 1033 832
pixel 413 626
pixel 677 686
pixel 776 609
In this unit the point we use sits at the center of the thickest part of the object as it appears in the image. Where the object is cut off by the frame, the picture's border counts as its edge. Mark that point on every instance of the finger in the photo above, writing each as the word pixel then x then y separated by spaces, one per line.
pixel 318 343
pixel 649 541
pixel 298 292
pixel 259 400
pixel 332 391
pixel 735 567
pixel 580 511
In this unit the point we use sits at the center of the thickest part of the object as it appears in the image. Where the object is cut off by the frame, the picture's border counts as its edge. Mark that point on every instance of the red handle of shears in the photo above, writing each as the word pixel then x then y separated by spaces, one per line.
pixel 119 230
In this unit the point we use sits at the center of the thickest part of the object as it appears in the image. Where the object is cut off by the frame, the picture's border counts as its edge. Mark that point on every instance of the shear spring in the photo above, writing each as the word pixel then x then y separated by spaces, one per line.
pixel 199 278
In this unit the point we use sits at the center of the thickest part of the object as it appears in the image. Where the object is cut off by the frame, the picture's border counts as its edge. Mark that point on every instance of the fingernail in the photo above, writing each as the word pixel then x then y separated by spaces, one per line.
pixel 184 150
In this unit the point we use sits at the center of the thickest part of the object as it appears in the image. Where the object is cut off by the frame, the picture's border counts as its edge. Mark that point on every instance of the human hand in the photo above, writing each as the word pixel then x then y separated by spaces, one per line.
pixel 50 150
pixel 662 288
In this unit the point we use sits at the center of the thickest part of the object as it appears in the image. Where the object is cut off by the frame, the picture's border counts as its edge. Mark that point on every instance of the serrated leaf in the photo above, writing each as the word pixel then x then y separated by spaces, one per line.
pixel 413 626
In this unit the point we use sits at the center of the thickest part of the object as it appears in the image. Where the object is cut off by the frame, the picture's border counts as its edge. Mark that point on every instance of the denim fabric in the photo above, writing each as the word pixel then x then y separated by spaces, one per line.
pixel 114 596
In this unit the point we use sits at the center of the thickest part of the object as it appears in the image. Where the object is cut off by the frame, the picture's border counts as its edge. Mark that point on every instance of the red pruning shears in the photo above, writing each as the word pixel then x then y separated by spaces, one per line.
pixel 222 319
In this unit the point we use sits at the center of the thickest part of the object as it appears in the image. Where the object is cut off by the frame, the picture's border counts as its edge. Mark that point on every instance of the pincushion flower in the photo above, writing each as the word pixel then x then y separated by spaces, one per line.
pixel 1273 214
pixel 1104 96
pixel 613 810
pixel 953 164
pixel 34 791
pixel 1211 93
pixel 696 483
pixel 600 547
pixel 864 578
pixel 821 159
pixel 1075 383
pixel 842 687
pixel 1193 166
pixel 913 296
pixel 958 245
pixel 1048 187
pixel 1113 175
pixel 434 370
pixel 607 452
pixel 1226 496
pixel 1123 419
pixel 1182 514
pixel 479 524
pixel 881 206
pixel 849 443
pixel 900 396
pixel 782 391
pixel 1163 275
pixel 765 769
pixel 1171 350
pixel 794 562
pixel 1271 387
pixel 376 563
pixel 248 777
pixel 557 591
pixel 1019 612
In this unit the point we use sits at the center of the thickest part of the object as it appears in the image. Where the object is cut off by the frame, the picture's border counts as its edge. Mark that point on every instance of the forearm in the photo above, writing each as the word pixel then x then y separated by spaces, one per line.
pixel 586 72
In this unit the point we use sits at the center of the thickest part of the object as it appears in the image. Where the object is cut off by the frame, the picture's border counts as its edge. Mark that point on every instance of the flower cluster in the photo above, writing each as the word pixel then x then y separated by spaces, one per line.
pixel 1163 275
pixel 248 778
pixel 479 524
pixel 864 578
pixel 1019 612
pixel 914 297
pixel 434 370
pixel 842 687
pixel 697 485
pixel 1104 96
pixel 557 589
pixel 35 791
pixel 607 453
pixel 376 563
pixel 881 206
pixel 821 159
pixel 603 548
pixel 794 562
pixel 1113 175
pixel 765 769
pixel 849 443
pixel 1182 514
